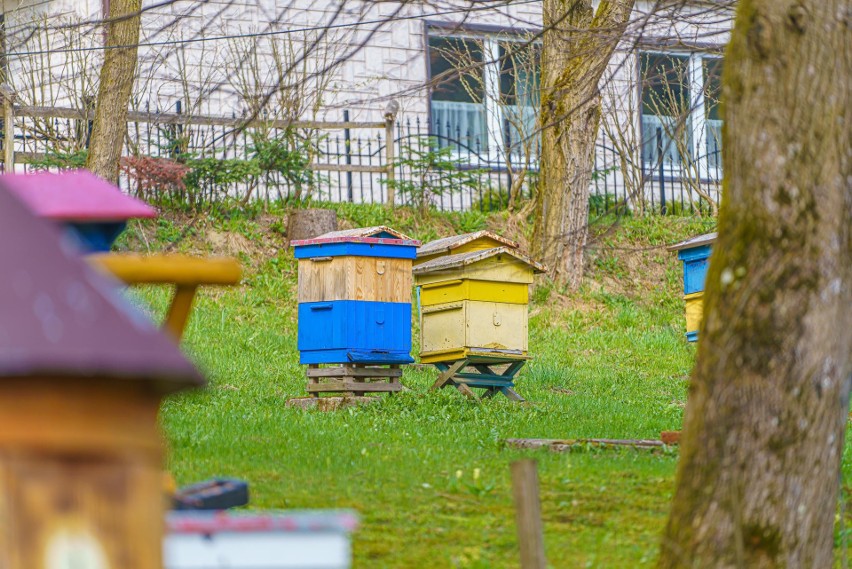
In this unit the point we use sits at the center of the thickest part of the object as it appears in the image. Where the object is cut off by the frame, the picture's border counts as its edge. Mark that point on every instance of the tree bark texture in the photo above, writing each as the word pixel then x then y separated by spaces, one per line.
pixel 116 85
pixel 577 46
pixel 310 223
pixel 763 431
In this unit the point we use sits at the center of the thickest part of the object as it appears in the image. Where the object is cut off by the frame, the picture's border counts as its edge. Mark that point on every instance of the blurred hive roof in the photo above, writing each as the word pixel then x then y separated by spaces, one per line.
pixel 60 318
pixel 75 196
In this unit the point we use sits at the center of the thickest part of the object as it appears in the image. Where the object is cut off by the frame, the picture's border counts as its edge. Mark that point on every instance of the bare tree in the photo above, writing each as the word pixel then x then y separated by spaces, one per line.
pixel 578 43
pixel 116 85
pixel 764 427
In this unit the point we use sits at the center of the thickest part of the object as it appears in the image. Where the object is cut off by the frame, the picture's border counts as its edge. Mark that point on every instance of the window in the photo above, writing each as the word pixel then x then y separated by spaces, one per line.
pixel 484 95
pixel 458 112
pixel 681 126
pixel 519 94
pixel 712 94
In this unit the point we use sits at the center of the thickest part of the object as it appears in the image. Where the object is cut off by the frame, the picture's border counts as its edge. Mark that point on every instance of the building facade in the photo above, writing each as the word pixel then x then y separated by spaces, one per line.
pixel 463 73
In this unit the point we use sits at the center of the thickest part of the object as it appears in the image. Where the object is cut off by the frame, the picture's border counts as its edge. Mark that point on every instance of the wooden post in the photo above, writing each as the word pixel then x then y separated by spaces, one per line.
pixel 8 96
pixel 528 514
pixel 390 119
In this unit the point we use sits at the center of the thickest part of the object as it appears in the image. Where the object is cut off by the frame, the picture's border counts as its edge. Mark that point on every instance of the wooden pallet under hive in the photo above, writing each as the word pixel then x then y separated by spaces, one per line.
pixel 353 379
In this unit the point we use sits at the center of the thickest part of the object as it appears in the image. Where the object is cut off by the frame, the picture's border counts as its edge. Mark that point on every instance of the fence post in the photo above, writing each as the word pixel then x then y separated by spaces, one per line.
pixel 662 177
pixel 347 148
pixel 390 118
pixel 8 96
pixel 528 514
pixel 89 102
pixel 507 127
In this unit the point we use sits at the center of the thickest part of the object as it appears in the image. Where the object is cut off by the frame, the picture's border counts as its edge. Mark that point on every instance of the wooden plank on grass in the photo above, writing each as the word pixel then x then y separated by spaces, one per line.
pixel 560 445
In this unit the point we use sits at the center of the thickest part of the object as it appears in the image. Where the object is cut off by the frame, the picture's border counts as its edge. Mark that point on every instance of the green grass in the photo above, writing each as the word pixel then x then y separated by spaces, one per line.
pixel 427 471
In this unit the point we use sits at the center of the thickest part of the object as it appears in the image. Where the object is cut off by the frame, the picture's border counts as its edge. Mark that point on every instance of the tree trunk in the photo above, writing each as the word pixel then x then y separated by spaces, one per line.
pixel 576 49
pixel 763 432
pixel 116 84
pixel 310 223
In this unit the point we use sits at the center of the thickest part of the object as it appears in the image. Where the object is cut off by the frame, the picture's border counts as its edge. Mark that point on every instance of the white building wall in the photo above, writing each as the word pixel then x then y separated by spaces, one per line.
pixel 218 57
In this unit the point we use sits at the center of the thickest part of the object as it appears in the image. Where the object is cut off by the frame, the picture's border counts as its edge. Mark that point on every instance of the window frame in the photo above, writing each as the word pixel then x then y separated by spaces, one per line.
pixel 492 150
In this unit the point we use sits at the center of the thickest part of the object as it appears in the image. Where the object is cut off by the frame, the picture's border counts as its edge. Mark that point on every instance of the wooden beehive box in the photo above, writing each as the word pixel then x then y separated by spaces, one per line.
pixel 695 255
pixel 94 210
pixel 82 374
pixel 355 297
pixel 474 303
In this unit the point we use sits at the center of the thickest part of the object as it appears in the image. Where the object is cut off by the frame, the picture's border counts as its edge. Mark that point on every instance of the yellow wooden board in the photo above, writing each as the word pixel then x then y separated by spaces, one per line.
pixel 168 269
pixel 500 268
pixel 185 272
pixel 455 355
pixel 694 311
pixel 377 279
pixel 449 331
pixel 466 289
pixel 442 328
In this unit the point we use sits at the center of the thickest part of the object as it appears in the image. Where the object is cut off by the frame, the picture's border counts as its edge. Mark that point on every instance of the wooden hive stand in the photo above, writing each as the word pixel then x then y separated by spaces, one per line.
pixel 353 380
pixel 495 373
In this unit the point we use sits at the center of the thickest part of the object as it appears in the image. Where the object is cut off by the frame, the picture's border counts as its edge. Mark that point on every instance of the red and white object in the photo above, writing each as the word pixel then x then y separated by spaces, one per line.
pixel 292 540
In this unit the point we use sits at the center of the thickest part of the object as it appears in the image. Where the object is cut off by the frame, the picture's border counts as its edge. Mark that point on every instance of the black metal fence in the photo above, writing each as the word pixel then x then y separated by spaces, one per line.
pixel 434 165
pixel 487 178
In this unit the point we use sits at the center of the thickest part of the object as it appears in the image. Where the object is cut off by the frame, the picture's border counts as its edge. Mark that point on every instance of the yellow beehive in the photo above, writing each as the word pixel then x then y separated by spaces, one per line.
pixel 474 303
pixel 695 255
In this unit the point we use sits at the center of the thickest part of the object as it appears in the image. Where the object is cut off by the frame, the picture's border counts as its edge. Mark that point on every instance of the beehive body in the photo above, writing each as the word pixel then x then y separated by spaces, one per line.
pixel 355 300
pixel 695 261
pixel 378 279
pixel 454 330
pixel 477 307
pixel 90 491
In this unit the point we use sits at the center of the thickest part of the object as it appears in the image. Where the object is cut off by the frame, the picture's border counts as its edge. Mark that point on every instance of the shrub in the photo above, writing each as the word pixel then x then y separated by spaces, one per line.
pixel 61 160
pixel 155 179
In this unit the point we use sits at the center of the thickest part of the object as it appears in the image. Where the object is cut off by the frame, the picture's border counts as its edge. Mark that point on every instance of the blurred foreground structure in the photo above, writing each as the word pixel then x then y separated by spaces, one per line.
pixel 82 374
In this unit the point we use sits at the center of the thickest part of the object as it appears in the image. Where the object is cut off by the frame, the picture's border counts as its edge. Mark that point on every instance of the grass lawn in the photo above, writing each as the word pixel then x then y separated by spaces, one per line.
pixel 426 471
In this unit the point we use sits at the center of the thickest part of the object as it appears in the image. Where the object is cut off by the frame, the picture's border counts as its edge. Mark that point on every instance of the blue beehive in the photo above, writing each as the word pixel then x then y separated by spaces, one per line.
pixel 695 255
pixel 355 297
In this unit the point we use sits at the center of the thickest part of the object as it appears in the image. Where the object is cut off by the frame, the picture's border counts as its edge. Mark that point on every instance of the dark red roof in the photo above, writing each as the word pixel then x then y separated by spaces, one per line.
pixel 376 235
pixel 76 196
pixel 60 318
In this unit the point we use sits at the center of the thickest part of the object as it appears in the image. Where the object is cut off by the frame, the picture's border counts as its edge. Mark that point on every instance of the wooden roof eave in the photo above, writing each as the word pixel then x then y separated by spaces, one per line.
pixel 450 262
pixel 692 242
